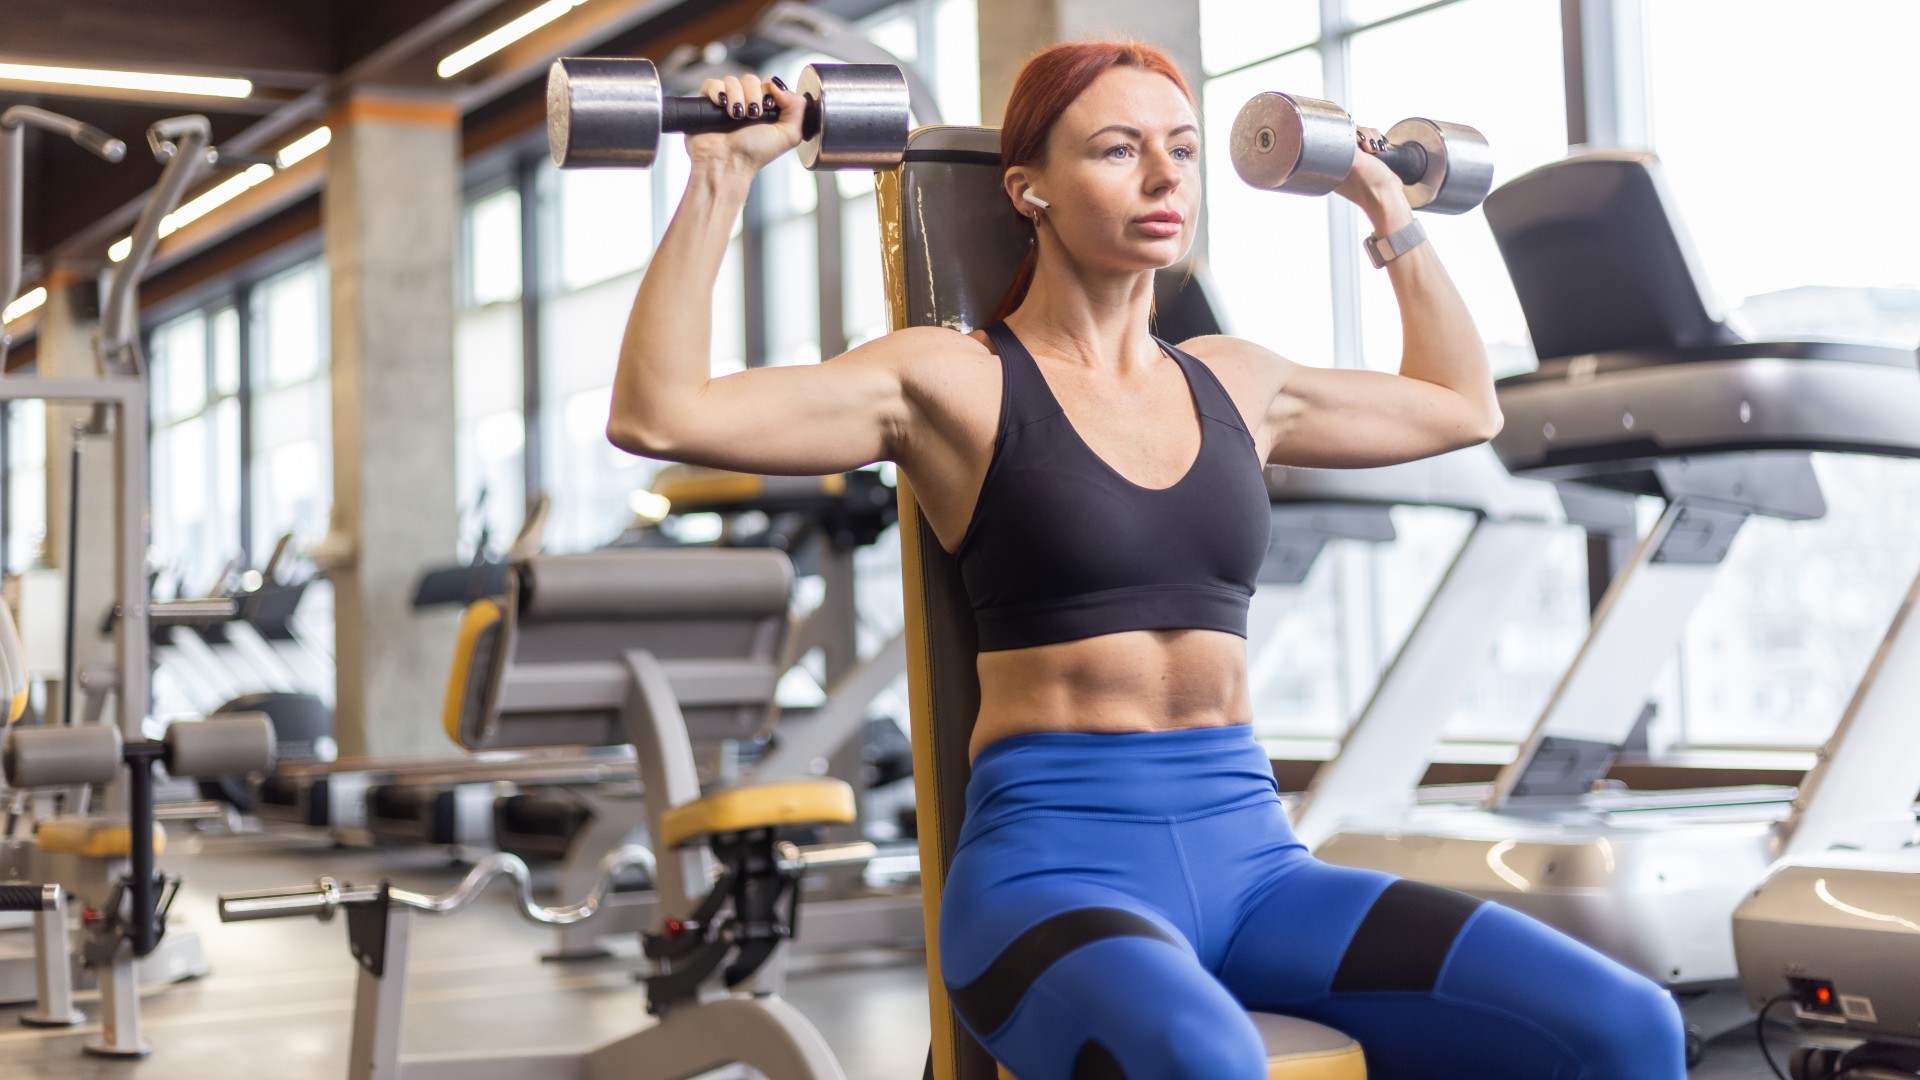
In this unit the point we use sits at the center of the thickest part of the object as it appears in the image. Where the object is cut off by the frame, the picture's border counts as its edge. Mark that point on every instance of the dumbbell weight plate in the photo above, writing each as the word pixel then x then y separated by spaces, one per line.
pixel 603 111
pixel 1285 142
pixel 1459 165
pixel 856 116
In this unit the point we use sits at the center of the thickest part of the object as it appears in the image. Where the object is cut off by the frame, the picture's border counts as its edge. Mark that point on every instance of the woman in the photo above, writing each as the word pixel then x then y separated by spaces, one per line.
pixel 1126 883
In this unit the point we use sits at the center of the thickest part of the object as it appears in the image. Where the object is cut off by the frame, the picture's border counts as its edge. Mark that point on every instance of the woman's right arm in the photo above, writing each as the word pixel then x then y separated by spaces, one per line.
pixel 801 420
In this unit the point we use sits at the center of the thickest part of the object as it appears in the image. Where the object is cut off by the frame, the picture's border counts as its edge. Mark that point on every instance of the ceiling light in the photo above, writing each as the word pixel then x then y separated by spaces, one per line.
pixel 305 146
pixel 466 57
pixel 219 195
pixel 201 85
pixel 29 302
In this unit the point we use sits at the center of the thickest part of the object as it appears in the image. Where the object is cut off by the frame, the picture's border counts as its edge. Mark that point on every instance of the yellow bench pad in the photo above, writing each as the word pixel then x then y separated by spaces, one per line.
pixel 93 837
pixel 1301 1050
pixel 758 806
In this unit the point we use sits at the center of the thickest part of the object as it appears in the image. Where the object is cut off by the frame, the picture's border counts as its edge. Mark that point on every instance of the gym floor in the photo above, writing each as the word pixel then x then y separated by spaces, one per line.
pixel 281 992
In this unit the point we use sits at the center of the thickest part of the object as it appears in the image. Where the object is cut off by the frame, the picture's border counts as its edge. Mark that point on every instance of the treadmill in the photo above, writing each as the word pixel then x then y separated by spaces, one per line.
pixel 1834 931
pixel 1643 388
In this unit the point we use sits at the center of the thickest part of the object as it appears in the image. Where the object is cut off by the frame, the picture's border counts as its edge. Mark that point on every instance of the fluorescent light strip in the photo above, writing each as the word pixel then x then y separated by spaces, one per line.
pixel 200 85
pixel 464 58
pixel 32 300
pixel 299 149
pixel 305 146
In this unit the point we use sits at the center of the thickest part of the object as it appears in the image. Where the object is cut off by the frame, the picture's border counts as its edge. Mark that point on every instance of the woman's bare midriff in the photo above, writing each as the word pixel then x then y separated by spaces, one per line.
pixel 1143 680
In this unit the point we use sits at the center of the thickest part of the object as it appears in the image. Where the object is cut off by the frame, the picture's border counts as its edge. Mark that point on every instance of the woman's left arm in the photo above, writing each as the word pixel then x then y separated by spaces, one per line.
pixel 1441 400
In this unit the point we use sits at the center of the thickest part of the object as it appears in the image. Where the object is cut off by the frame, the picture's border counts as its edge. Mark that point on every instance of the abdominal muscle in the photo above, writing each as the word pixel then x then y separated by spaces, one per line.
pixel 1140 680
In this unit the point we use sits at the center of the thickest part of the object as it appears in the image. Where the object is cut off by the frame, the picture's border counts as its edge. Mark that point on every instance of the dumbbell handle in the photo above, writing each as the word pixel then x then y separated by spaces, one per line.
pixel 1407 160
pixel 699 116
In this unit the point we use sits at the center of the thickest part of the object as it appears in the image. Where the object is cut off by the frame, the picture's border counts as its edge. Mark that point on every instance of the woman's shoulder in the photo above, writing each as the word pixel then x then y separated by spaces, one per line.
pixel 1237 360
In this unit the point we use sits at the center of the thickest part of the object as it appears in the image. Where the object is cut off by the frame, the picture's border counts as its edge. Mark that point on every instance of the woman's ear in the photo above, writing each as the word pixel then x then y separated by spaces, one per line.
pixel 1018 183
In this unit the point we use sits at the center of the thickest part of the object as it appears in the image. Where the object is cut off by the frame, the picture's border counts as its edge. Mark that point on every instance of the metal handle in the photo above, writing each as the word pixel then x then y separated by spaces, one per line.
pixel 1407 160
pixel 697 115
pixel 323 897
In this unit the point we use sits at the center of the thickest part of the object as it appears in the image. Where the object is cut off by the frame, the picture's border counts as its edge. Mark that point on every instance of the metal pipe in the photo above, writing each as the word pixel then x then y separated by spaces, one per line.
pixel 180 142
pixel 12 179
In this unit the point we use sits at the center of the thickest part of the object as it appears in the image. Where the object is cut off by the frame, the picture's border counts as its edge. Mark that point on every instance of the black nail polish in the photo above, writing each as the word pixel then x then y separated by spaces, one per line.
pixel 753 111
pixel 778 83
pixel 739 111
pixel 767 103
pixel 723 99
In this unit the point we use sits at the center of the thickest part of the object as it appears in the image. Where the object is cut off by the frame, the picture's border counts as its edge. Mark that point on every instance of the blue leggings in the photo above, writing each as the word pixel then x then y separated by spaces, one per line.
pixel 1118 902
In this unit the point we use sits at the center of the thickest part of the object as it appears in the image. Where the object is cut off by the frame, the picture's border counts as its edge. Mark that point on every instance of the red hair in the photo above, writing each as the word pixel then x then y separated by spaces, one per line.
pixel 1051 81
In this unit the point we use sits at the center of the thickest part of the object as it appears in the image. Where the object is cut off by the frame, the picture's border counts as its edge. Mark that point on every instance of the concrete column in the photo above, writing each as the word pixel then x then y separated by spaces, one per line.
pixel 1012 30
pixel 65 351
pixel 391 203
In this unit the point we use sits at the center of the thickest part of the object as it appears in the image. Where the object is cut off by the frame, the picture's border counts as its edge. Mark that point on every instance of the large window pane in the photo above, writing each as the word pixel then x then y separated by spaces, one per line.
pixel 492 248
pixel 588 478
pixel 290 319
pixel 179 367
pixel 1793 252
pixel 26 484
pixel 1413 68
pixel 292 407
pixel 1237 32
pixel 1774 653
pixel 956 79
pixel 1268 251
pixel 1532 649
pixel 490 437
pixel 793 302
pixel 605 222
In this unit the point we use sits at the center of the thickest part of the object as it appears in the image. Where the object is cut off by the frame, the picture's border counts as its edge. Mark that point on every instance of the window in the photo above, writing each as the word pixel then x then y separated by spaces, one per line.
pixel 292 406
pixel 26 485
pixel 1790 259
pixel 583 307
pixel 1775 652
pixel 1319 650
pixel 490 423
pixel 194 371
pixel 1415 67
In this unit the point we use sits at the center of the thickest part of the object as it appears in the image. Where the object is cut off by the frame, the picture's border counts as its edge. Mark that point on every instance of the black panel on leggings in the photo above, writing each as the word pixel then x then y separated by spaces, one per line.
pixel 1404 940
pixel 988 1000
pixel 1096 1062
pixel 1062 547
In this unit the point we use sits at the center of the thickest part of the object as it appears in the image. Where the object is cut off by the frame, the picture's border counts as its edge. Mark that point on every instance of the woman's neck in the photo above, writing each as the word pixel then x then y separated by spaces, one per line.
pixel 1097 321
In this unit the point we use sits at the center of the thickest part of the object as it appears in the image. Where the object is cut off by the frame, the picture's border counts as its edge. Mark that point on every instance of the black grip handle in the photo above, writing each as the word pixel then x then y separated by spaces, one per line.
pixel 1407 160
pixel 20 898
pixel 697 115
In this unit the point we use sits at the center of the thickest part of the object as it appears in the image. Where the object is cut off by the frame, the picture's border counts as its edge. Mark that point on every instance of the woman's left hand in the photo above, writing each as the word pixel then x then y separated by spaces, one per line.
pixel 1370 185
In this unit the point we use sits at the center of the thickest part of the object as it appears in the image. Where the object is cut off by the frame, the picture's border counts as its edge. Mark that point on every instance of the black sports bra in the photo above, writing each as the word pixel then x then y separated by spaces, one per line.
pixel 1062 547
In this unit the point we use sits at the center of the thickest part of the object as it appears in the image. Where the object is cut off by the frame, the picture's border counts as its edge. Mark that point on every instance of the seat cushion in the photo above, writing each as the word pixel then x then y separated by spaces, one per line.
pixel 93 837
pixel 758 806
pixel 1301 1050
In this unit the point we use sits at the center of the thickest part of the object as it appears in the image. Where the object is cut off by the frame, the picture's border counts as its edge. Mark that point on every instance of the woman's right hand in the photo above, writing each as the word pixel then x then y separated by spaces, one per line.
pixel 751 145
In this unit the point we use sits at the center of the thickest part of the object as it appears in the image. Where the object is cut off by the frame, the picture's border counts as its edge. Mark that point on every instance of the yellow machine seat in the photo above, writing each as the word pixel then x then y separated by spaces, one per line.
pixel 93 837
pixel 1301 1050
pixel 759 806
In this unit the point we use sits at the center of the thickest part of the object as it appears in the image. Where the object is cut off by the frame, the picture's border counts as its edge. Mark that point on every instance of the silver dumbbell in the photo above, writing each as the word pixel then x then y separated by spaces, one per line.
pixel 1306 146
pixel 611 112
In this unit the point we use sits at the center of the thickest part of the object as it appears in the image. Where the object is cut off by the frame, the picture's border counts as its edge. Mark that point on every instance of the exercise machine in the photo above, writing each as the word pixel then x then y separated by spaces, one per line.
pixel 669 651
pixel 1833 933
pixel 1643 388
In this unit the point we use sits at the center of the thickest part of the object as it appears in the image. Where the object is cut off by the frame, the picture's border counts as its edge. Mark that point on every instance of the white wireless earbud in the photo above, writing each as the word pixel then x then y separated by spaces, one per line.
pixel 1035 200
